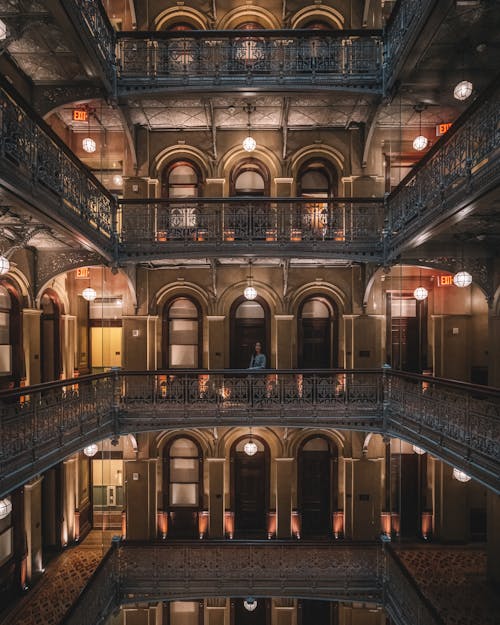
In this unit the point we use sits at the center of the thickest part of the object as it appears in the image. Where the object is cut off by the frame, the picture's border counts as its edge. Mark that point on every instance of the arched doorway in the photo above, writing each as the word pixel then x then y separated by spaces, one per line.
pixel 317 179
pixel 250 488
pixel 249 324
pixel 180 180
pixel 315 481
pixel 11 352
pixel 317 334
pixel 182 334
pixel 50 323
pixel 183 492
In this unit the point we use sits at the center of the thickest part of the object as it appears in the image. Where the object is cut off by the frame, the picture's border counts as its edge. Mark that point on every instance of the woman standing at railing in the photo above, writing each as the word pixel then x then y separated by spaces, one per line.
pixel 258 359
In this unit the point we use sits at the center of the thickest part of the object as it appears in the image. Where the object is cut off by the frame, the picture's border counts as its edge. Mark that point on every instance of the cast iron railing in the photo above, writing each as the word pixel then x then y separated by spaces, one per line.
pixel 403 28
pixel 279 58
pixel 142 572
pixel 93 21
pixel 463 165
pixel 344 226
pixel 43 424
pixel 47 170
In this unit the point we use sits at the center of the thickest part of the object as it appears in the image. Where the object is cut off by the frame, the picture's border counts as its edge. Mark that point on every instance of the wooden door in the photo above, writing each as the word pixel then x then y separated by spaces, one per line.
pixel 250 487
pixel 315 493
pixel 315 344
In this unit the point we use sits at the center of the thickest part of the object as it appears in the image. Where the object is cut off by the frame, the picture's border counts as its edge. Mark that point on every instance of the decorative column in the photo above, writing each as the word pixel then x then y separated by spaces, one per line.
pixel 493 537
pixel 140 481
pixel 349 487
pixel 284 472
pixel 33 528
pixel 216 344
pixel 349 321
pixel 31 344
pixel 284 346
pixel 216 497
pixel 68 345
pixel 69 502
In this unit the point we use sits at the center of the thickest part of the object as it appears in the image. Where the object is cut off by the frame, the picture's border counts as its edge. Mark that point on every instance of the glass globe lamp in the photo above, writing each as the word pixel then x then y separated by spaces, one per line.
pixel 418 450
pixel 250 448
pixel 249 144
pixel 117 180
pixel 250 292
pixel 250 604
pixel 463 90
pixel 5 507
pixel 89 294
pixel 420 293
pixel 89 145
pixel 90 450
pixel 462 279
pixel 461 476
pixel 4 265
pixel 420 143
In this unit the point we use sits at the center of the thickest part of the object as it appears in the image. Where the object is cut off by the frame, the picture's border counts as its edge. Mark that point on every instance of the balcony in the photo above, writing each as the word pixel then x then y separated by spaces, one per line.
pixel 38 168
pixel 456 422
pixel 348 228
pixel 150 62
pixel 191 570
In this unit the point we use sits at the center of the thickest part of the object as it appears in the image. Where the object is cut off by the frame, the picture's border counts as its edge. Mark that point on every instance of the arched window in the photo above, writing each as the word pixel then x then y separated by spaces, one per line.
pixel 11 356
pixel 317 180
pixel 181 179
pixel 183 493
pixel 317 334
pixel 250 178
pixel 317 491
pixel 250 52
pixel 50 336
pixel 249 325
pixel 182 327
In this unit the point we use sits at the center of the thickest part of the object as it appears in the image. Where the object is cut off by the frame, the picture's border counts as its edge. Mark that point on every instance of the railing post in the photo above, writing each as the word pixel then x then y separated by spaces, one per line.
pixel 386 396
pixel 116 398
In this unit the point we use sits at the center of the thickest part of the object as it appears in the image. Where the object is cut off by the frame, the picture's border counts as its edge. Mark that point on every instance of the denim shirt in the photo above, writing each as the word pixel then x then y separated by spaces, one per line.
pixel 258 361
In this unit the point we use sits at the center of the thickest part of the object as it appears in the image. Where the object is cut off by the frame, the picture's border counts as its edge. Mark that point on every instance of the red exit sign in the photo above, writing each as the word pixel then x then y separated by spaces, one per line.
pixel 445 281
pixel 80 115
pixel 442 129
pixel 83 272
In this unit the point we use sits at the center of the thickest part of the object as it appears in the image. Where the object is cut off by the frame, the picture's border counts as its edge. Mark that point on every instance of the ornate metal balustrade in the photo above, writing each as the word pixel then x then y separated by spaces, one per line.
pixel 41 424
pixel 345 227
pixel 403 29
pixel 458 423
pixel 340 59
pixel 94 23
pixel 38 165
pixel 462 166
pixel 151 573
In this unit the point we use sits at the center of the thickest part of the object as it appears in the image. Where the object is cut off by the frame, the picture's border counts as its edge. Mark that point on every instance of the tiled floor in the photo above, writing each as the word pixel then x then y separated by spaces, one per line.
pixel 453 579
pixel 62 582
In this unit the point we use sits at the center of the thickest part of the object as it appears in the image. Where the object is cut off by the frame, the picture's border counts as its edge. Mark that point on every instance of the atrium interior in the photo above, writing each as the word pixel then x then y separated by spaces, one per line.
pixel 249 312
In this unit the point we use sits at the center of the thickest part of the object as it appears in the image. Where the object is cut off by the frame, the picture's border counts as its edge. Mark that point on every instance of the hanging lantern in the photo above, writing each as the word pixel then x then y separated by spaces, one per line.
pixel 250 604
pixel 418 450
pixel 462 279
pixel 420 293
pixel 250 448
pixel 4 265
pixel 249 144
pixel 5 507
pixel 420 143
pixel 117 180
pixel 90 450
pixel 463 90
pixel 461 476
pixel 89 294
pixel 89 145
pixel 250 292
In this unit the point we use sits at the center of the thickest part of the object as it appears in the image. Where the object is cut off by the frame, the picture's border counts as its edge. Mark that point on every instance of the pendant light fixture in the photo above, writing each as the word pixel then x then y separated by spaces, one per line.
pixel 89 294
pixel 250 447
pixel 250 604
pixel 462 279
pixel 420 142
pixel 4 265
pixel 463 89
pixel 420 293
pixel 90 450
pixel 250 291
pixel 249 143
pixel 88 144
pixel 461 476
pixel 418 450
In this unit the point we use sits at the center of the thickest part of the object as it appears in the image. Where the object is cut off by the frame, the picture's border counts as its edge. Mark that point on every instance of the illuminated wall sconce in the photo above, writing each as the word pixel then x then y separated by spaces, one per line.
pixel 229 524
pixel 203 523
